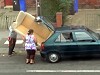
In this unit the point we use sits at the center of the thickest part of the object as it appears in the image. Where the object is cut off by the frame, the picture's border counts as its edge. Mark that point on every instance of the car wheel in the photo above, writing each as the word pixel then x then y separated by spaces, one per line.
pixel 53 57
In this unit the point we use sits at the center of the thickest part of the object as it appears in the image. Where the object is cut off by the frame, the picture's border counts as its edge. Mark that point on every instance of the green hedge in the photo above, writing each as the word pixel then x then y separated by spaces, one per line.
pixel 49 8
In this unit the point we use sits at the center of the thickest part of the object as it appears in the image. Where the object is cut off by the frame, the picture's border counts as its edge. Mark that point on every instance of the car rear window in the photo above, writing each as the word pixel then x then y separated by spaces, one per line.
pixel 64 37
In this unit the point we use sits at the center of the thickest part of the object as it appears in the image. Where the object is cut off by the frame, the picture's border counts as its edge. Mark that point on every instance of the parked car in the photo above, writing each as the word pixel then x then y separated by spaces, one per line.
pixel 70 41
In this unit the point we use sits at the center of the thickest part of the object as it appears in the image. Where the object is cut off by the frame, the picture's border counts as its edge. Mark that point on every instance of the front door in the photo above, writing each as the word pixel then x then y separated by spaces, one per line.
pixel 66 45
pixel 87 45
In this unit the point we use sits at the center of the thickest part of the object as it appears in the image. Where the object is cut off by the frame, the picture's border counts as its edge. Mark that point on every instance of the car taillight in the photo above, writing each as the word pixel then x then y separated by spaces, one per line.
pixel 42 46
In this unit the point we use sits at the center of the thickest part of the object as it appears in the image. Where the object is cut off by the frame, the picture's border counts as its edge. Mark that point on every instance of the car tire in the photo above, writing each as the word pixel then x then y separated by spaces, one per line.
pixel 53 57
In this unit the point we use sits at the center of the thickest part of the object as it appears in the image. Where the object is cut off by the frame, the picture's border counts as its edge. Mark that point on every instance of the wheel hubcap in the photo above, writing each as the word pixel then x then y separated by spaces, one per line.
pixel 53 57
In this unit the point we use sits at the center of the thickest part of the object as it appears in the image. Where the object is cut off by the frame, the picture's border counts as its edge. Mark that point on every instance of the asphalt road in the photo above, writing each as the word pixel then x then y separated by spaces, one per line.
pixel 15 65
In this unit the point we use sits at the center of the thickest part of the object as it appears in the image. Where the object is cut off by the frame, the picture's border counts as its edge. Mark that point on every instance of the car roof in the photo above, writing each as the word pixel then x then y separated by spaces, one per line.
pixel 70 28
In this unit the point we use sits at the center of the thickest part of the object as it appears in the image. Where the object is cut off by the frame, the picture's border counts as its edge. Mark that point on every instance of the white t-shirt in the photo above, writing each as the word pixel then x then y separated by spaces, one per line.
pixel 29 43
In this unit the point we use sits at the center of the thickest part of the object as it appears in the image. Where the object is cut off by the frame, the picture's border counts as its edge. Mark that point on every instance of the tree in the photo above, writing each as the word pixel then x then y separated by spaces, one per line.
pixel 49 8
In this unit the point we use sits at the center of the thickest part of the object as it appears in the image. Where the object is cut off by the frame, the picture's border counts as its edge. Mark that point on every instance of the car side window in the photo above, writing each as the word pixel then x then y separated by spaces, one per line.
pixel 65 37
pixel 83 37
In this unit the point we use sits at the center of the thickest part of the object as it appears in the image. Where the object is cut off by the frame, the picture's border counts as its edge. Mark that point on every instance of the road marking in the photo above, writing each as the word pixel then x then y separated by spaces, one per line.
pixel 17 42
pixel 62 70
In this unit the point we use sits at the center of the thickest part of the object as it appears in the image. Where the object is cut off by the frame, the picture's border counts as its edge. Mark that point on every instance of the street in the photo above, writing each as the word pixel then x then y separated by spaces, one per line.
pixel 16 65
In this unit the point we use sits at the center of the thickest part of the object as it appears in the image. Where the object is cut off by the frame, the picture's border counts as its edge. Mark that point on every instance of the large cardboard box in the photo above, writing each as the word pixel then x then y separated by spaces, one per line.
pixel 26 21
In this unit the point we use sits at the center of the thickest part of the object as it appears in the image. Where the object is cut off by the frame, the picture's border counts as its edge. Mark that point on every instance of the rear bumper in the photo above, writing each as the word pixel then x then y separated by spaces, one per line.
pixel 43 54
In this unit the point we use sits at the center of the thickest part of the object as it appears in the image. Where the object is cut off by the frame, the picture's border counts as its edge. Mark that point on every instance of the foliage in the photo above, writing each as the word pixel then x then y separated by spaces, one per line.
pixel 49 8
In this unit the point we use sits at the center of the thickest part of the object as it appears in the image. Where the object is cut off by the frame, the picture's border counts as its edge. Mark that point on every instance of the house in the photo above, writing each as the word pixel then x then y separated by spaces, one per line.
pixel 4 3
pixel 31 3
pixel 89 3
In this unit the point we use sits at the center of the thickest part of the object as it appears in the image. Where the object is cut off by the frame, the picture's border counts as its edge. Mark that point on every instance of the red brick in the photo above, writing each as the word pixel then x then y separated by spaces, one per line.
pixel 58 19
pixel 30 3
pixel 1 3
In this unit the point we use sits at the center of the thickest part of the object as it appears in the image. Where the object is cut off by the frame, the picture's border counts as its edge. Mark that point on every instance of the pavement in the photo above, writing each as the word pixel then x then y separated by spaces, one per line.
pixel 11 12
pixel 19 48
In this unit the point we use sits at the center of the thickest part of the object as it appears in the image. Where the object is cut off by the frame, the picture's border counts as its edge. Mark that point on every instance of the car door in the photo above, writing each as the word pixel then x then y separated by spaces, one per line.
pixel 65 44
pixel 87 45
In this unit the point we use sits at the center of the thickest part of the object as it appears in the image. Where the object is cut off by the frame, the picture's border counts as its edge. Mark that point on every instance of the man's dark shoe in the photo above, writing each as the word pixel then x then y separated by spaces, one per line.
pixel 14 52
pixel 10 55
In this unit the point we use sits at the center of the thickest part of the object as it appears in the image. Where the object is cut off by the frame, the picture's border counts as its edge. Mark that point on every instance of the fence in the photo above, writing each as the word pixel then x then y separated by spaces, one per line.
pixel 92 21
pixel 87 17
pixel 90 18
pixel 6 21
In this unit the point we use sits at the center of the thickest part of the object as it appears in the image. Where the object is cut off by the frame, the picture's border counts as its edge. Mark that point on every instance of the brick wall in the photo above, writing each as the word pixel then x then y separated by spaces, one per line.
pixel 94 2
pixel 1 3
pixel 30 3
pixel 82 3
pixel 90 3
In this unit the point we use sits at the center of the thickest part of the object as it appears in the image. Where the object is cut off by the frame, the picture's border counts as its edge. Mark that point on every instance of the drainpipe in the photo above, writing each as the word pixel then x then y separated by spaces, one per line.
pixel 37 8
pixel 7 22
